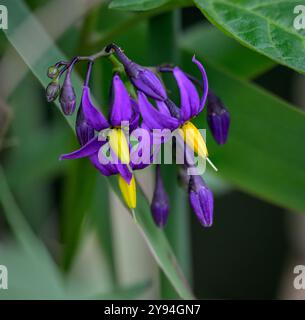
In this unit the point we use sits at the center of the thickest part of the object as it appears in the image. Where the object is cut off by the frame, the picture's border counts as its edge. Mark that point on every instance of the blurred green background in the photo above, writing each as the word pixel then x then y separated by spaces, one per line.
pixel 64 233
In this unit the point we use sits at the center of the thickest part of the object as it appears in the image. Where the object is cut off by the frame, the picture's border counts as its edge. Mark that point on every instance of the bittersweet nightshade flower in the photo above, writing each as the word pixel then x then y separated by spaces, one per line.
pixel 218 118
pixel 160 203
pixel 52 90
pixel 201 200
pixel 67 97
pixel 142 78
pixel 165 116
pixel 121 110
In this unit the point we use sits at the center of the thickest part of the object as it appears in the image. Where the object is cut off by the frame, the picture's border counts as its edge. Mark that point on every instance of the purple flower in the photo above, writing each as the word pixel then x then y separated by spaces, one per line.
pixel 142 78
pixel 160 203
pixel 168 116
pixel 201 200
pixel 91 118
pixel 218 118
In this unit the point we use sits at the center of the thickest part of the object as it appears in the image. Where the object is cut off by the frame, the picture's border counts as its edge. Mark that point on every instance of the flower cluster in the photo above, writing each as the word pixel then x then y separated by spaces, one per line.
pixel 139 100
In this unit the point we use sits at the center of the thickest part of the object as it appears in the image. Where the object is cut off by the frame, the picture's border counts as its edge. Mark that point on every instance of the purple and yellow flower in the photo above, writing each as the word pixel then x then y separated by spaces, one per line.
pixel 168 116
pixel 90 118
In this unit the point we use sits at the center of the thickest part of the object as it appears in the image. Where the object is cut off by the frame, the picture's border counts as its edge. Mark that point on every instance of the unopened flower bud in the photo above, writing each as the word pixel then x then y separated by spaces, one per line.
pixel 218 118
pixel 53 72
pixel 67 97
pixel 52 91
pixel 160 203
pixel 201 200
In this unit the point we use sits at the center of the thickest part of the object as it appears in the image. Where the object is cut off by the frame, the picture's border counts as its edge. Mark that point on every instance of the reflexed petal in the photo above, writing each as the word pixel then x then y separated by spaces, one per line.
pixel 189 98
pixel 162 107
pixel 105 169
pixel 128 191
pixel 87 150
pixel 121 109
pixel 205 84
pixel 153 118
pixel 147 82
pixel 92 115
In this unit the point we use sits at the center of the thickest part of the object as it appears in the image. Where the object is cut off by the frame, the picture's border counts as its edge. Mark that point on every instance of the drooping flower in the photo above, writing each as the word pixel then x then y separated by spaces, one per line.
pixel 218 118
pixel 201 200
pixel 168 116
pixel 91 118
pixel 160 202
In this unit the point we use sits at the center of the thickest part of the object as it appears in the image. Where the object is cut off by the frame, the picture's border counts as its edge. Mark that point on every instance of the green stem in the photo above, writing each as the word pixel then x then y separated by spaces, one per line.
pixel 163 32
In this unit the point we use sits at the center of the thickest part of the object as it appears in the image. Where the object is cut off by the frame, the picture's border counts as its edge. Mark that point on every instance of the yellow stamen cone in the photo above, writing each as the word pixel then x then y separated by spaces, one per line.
pixel 118 144
pixel 129 192
pixel 194 139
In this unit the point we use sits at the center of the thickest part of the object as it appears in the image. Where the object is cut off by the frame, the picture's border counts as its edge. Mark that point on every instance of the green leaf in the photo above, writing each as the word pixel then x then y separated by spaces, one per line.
pixel 224 52
pixel 264 26
pixel 131 292
pixel 155 238
pixel 137 5
pixel 263 155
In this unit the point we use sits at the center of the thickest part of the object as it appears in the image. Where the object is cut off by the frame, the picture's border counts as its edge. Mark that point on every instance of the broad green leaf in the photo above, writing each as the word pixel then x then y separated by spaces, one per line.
pixel 264 26
pixel 138 5
pixel 264 154
pixel 224 52
pixel 155 238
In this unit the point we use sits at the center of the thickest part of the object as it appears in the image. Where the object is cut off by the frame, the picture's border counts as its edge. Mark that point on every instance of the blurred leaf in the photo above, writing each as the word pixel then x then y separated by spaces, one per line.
pixel 264 26
pixel 263 154
pixel 137 5
pixel 30 275
pixel 157 243
pixel 224 52
pixel 32 272
pixel 155 238
pixel 39 159
pixel 131 292
pixel 79 186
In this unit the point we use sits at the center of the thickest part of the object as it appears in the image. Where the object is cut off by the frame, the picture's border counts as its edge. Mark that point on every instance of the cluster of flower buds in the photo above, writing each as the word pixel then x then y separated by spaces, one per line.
pixel 134 91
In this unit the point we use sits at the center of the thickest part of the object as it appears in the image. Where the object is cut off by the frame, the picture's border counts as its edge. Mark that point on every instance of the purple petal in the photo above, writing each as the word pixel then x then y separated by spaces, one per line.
pixel 87 150
pixel 121 109
pixel 153 118
pixel 205 84
pixel 124 172
pixel 147 82
pixel 189 98
pixel 92 115
pixel 162 107
pixel 105 169
pixel 134 122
